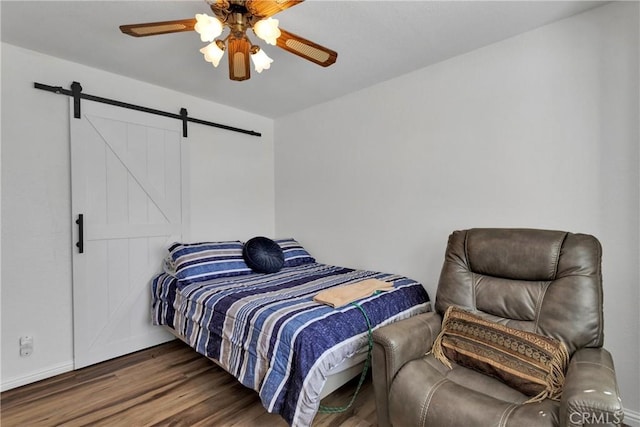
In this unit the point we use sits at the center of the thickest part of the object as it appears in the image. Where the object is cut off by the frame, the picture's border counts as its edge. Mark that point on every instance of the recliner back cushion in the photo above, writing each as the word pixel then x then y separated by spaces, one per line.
pixel 514 254
pixel 542 281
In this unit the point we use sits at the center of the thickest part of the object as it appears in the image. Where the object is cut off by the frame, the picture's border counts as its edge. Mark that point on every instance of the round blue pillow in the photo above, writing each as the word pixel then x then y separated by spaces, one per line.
pixel 263 255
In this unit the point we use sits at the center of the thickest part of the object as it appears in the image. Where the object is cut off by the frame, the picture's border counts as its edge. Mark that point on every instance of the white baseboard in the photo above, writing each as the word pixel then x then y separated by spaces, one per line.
pixel 631 418
pixel 37 376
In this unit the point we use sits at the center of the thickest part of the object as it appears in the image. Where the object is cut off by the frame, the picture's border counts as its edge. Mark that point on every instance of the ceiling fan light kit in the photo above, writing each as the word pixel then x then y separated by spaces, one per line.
pixel 239 16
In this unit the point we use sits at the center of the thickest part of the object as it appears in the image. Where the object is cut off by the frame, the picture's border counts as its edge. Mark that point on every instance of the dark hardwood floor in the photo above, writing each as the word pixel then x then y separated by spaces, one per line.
pixel 167 385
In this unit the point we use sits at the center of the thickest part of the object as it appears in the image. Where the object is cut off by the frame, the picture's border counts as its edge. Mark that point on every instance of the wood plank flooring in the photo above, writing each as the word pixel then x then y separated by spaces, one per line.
pixel 166 385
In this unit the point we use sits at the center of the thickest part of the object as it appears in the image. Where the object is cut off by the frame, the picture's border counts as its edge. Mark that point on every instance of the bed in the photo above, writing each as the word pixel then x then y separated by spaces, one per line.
pixel 266 329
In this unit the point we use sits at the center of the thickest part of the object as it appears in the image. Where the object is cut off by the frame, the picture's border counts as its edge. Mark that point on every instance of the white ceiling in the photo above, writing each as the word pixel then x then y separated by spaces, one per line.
pixel 375 41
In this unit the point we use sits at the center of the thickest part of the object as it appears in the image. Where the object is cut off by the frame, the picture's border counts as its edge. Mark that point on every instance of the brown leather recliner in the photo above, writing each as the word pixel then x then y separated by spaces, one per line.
pixel 541 281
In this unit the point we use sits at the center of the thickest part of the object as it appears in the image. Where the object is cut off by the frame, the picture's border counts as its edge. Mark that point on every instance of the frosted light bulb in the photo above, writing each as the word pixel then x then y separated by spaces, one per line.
pixel 208 27
pixel 212 53
pixel 261 61
pixel 267 30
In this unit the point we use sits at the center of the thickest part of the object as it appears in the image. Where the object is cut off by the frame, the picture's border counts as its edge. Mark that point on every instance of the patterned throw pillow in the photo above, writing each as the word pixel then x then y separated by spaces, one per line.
pixel 531 363
pixel 294 253
pixel 195 262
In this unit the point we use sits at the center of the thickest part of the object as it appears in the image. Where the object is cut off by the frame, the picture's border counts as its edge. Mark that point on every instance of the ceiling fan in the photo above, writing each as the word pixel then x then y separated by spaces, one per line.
pixel 239 16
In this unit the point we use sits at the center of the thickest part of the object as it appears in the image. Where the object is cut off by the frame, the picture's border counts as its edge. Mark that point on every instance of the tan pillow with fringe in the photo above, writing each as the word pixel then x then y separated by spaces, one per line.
pixel 531 363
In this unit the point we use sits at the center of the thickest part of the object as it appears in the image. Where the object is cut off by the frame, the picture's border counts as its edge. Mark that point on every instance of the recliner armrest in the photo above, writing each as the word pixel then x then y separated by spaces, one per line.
pixel 393 346
pixel 590 394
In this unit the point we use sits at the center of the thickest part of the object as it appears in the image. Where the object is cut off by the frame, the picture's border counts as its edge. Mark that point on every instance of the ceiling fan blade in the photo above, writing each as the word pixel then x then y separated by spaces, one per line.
pixel 267 8
pixel 238 51
pixel 306 49
pixel 155 28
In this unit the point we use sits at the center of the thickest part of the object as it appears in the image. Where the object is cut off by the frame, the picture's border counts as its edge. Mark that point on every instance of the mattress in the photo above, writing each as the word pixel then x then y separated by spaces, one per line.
pixel 266 330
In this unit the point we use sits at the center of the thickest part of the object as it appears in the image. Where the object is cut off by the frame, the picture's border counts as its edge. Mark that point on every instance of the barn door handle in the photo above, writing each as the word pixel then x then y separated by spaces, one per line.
pixel 80 243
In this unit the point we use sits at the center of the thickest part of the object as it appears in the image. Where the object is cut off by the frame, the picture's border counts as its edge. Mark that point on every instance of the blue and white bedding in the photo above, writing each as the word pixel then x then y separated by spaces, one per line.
pixel 266 330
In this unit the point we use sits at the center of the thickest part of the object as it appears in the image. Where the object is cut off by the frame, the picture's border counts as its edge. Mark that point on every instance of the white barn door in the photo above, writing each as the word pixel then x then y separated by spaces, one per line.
pixel 127 183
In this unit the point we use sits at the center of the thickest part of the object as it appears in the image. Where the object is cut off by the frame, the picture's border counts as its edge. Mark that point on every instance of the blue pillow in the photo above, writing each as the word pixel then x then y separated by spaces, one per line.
pixel 263 255
pixel 294 253
pixel 195 262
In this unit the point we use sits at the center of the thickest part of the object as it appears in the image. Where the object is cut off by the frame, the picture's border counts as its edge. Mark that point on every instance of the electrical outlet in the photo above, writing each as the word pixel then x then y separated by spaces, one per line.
pixel 26 346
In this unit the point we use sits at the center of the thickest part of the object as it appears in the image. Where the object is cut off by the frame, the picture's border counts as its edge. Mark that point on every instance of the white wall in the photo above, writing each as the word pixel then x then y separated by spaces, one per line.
pixel 540 131
pixel 232 195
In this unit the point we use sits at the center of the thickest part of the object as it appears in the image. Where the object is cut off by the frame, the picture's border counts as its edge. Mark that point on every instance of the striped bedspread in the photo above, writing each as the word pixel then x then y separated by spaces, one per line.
pixel 266 330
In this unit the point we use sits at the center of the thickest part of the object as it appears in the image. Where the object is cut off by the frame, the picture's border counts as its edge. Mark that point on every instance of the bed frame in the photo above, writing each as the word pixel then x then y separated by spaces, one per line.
pixel 337 377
